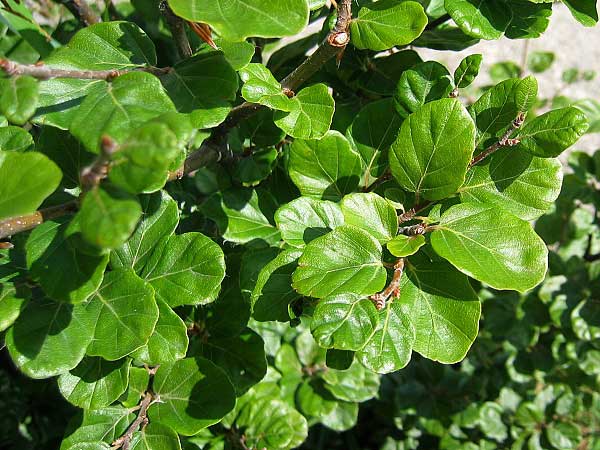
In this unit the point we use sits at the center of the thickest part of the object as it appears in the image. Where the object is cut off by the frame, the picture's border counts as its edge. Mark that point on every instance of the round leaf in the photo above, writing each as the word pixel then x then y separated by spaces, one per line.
pixel 372 213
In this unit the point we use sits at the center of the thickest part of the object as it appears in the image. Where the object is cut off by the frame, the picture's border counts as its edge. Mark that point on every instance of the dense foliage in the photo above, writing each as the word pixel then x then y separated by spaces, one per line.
pixel 196 255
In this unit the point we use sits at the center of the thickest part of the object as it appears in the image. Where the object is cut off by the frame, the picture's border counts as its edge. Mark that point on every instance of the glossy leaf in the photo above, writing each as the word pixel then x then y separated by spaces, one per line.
pixel 433 149
pixel 195 394
pixel 326 169
pixel 492 246
pixel 185 269
pixel 21 193
pixel 467 70
pixel 261 18
pixel 386 24
pixel 18 98
pixel 49 338
pixel 124 312
pixel 15 139
pixel 344 322
pixel 346 260
pixel 156 436
pixel 355 384
pixel 97 428
pixel 402 246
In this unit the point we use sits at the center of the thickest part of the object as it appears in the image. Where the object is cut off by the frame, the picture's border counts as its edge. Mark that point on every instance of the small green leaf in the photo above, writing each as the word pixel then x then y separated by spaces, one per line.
pixel 155 436
pixel 27 179
pixel 402 246
pixel 422 84
pixel 138 384
pixel 347 260
pixel 186 269
pixel 260 18
pixel 442 307
pixel 19 98
pixel 326 169
pixel 95 383
pixel 159 219
pixel 492 246
pixel 15 139
pixel 305 219
pixel 49 338
pixel 355 384
pixel 108 217
pixel 260 86
pixel 344 322
pixel 116 108
pixel 12 301
pixel 372 213
pixel 194 393
pixel 433 150
pixel 390 346
pixel 540 61
pixel 467 70
pixel 564 435
pixel 124 313
pixel 63 271
pixel 143 160
pixel 553 132
pixel 387 23
pixel 310 113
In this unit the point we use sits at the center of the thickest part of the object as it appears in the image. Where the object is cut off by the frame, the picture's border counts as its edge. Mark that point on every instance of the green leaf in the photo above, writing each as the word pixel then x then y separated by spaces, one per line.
pixel 255 168
pixel 422 84
pixel 204 86
pixel 371 133
pixel 540 61
pixel 186 269
pixel 433 150
pixel 19 98
pixel 97 427
pixel 372 213
pixel 499 106
pixel 12 301
pixel 553 132
pixel 386 24
pixel 159 220
pixel 492 246
pixel 442 307
pixel 168 342
pixel 124 312
pixel 310 114
pixel 524 185
pixel 243 216
pixel 355 384
pixel 49 338
pixel 15 139
pixel 316 402
pixel 305 219
pixel 27 179
pixel 490 421
pixel 95 383
pixel 194 393
pixel 156 436
pixel 260 86
pixel 344 322
pixel 564 435
pixel 241 357
pixel 326 169
pixel 143 160
pixel 516 19
pixel 138 384
pixel 115 108
pixel 467 70
pixel 347 260
pixel 390 346
pixel 55 262
pixel 402 246
pixel 273 294
pixel 261 18
pixel 584 11
pixel 117 45
pixel 108 217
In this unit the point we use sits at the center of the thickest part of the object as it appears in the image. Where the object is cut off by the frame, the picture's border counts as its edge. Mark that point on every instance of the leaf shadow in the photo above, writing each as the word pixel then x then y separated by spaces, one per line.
pixel 341 187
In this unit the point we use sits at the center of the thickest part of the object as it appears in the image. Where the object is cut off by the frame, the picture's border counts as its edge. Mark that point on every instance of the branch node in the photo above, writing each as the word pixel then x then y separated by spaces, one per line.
pixel 392 290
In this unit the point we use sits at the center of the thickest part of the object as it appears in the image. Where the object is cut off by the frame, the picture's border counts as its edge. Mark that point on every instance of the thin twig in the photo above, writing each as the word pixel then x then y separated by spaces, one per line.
pixel 504 141
pixel 413 230
pixel 393 288
pixel 14 225
pixel 82 11
pixel 42 72
pixel 92 175
pixel 177 27
pixel 140 422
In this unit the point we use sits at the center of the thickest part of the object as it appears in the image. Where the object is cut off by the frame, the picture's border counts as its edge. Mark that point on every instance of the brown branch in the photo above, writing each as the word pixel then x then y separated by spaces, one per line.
pixel 177 27
pixel 334 44
pixel 413 230
pixel 437 22
pixel 393 288
pixel 141 420
pixel 92 175
pixel 14 225
pixel 82 11
pixel 504 141
pixel 42 72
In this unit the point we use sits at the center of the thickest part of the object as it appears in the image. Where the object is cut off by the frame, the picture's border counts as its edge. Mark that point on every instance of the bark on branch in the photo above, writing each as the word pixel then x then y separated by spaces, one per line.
pixel 82 11
pixel 14 225
pixel 42 72
pixel 393 288
pixel 177 27
pixel 124 442
pixel 504 141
